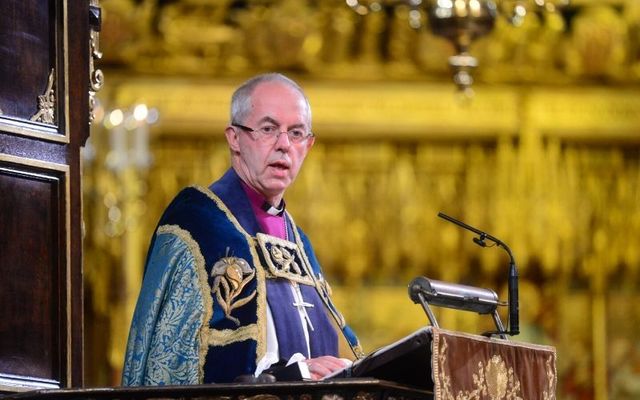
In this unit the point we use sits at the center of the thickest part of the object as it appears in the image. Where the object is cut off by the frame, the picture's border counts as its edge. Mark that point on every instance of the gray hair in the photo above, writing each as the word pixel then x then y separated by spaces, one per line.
pixel 241 98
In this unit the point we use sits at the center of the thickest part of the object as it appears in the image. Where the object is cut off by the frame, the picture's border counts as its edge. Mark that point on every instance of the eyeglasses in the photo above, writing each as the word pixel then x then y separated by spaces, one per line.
pixel 271 133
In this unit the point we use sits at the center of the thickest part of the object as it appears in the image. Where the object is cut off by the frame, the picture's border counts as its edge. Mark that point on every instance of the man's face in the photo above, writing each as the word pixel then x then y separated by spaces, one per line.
pixel 270 167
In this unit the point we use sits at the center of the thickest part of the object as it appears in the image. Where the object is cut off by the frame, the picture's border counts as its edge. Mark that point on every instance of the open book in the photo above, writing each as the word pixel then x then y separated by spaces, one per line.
pixel 407 361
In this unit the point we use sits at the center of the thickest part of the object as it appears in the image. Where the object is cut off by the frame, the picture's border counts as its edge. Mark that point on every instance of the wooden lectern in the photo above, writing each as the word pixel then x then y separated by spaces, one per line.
pixel 431 363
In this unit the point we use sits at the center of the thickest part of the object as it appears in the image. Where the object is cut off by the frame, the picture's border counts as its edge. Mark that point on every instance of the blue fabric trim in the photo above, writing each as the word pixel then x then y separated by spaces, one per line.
pixel 165 328
pixel 229 190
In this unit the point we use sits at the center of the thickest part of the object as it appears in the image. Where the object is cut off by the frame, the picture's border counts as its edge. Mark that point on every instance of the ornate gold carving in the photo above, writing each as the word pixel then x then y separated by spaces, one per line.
pixel 329 40
pixel 230 276
pixel 332 396
pixel 96 76
pixel 364 396
pixel 47 103
pixel 259 397
pixel 562 160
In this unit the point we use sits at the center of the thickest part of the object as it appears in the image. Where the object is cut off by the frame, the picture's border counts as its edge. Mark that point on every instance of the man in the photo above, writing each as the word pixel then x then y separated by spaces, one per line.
pixel 232 287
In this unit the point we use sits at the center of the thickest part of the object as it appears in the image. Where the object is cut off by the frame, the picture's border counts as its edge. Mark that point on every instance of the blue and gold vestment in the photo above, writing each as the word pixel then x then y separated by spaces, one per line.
pixel 201 313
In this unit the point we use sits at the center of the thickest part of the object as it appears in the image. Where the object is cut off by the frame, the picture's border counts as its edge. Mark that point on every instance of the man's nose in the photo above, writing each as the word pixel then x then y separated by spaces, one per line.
pixel 283 141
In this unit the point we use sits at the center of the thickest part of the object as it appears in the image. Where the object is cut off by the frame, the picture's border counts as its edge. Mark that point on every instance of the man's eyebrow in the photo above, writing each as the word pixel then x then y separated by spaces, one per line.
pixel 270 120
pixel 273 121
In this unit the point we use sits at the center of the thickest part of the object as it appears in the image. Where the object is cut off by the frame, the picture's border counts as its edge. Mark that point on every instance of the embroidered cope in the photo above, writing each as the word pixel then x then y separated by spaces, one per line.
pixel 202 312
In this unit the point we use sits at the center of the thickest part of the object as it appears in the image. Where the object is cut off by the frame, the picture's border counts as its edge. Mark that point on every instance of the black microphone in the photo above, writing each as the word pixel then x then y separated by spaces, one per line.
pixel 512 281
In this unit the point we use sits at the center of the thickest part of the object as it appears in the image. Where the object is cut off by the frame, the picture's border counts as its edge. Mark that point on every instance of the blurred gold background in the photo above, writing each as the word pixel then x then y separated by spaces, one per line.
pixel 545 156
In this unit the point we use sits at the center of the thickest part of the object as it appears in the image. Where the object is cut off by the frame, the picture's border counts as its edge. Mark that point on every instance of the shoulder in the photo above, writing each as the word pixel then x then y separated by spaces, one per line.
pixel 198 209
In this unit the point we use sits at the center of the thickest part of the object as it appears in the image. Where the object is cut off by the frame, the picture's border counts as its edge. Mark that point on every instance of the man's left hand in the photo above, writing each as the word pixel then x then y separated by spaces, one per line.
pixel 322 366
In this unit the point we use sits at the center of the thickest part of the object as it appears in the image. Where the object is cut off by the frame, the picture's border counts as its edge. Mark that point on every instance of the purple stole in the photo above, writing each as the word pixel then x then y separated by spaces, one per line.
pixel 323 339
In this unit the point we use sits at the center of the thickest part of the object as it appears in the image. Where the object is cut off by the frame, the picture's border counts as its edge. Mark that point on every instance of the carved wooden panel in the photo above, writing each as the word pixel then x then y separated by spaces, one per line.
pixel 33 242
pixel 27 43
pixel 44 97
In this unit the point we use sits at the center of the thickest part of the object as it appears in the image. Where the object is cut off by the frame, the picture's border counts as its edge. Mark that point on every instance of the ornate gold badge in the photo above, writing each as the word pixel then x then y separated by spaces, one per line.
pixel 283 259
pixel 230 276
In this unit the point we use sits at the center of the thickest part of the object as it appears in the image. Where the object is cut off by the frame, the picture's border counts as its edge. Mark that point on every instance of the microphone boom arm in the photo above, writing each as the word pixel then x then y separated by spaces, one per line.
pixel 512 282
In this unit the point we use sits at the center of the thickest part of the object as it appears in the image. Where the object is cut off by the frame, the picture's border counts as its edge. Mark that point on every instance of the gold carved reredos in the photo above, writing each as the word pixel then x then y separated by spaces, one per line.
pixel 558 179
pixel 406 111
pixel 327 39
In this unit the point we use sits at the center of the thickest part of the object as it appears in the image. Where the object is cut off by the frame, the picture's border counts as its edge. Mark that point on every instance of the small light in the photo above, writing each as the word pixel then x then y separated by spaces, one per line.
pixel 114 214
pixel 153 116
pixel 375 6
pixel 475 6
pixel 116 117
pixel 461 8
pixel 415 19
pixel 140 112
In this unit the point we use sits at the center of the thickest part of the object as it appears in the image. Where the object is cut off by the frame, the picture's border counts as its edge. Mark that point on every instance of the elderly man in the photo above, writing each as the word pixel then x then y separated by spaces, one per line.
pixel 232 287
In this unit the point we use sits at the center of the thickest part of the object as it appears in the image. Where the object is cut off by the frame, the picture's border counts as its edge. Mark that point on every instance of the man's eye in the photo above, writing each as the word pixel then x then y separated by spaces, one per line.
pixel 296 133
pixel 269 129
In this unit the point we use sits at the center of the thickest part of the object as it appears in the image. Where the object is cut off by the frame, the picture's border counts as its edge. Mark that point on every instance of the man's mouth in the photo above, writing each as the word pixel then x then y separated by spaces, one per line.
pixel 280 165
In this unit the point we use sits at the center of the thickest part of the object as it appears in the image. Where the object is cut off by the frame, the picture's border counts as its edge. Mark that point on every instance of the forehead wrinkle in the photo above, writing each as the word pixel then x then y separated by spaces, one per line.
pixel 275 122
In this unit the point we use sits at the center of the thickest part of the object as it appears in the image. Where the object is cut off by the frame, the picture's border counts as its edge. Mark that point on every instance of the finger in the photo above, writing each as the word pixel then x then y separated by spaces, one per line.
pixel 320 369
pixel 332 363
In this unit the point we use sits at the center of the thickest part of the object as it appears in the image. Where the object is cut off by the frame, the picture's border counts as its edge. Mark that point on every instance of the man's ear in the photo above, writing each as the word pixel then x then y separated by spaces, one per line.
pixel 232 139
pixel 310 142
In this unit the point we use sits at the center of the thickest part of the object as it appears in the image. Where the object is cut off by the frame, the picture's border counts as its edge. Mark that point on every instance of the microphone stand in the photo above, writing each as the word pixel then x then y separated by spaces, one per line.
pixel 512 282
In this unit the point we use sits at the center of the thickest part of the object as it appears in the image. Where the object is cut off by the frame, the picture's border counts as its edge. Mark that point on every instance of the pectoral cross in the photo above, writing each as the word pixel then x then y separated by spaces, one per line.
pixel 302 305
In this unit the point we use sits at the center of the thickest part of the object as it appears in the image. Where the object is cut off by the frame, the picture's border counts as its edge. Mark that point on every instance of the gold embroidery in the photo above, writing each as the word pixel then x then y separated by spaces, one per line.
pixel 552 379
pixel 230 276
pixel 283 259
pixel 496 377
pixel 261 334
pixel 203 280
pixel 228 336
pixel 492 379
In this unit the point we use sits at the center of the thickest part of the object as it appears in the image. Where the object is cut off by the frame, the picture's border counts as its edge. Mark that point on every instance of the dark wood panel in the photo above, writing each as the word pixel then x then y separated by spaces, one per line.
pixel 27 44
pixel 33 263
pixel 33 149
pixel 347 389
pixel 41 321
pixel 78 122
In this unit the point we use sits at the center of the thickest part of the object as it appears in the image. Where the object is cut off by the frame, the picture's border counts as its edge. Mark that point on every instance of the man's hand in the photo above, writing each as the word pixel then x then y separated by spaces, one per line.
pixel 323 366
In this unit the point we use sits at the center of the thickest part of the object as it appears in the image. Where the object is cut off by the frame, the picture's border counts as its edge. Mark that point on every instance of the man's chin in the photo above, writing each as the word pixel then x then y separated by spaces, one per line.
pixel 277 186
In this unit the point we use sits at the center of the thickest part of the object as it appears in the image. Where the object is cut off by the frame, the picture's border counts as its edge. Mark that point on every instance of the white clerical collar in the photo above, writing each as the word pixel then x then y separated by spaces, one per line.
pixel 271 210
